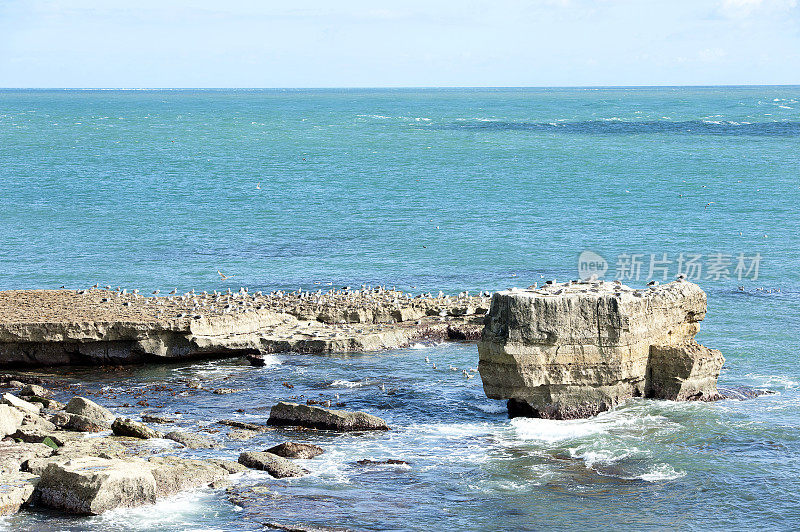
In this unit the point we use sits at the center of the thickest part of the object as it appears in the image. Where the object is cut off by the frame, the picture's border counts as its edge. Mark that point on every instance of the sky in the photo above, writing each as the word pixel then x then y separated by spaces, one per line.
pixel 370 43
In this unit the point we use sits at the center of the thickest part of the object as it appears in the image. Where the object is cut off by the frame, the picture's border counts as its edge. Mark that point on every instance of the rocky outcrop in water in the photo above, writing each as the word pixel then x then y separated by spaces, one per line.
pixel 46 327
pixel 576 349
pixel 293 414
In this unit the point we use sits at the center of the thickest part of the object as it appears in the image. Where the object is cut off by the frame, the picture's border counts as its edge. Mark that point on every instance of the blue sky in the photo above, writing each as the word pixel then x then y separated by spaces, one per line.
pixel 310 43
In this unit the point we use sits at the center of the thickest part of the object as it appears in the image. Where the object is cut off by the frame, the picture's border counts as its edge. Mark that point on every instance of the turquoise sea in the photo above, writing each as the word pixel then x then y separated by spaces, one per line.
pixel 427 190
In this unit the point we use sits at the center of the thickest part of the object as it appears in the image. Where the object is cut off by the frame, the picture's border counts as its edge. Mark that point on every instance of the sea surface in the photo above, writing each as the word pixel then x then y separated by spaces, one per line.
pixel 427 190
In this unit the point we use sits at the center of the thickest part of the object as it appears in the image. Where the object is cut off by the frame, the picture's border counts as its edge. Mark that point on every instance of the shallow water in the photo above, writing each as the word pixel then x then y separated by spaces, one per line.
pixel 647 464
pixel 430 190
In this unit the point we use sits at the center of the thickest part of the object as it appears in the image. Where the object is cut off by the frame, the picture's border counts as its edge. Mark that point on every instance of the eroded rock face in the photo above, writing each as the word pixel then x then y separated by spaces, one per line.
pixel 316 417
pixel 576 349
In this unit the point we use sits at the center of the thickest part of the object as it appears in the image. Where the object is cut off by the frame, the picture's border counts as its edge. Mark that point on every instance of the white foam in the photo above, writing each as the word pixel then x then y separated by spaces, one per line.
pixel 341 383
pixel 184 510
pixel 551 430
pixel 768 381
pixel 662 472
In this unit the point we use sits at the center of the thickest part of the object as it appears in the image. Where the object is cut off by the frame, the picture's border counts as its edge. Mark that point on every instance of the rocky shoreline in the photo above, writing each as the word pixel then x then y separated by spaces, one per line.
pixel 63 327
pixel 80 458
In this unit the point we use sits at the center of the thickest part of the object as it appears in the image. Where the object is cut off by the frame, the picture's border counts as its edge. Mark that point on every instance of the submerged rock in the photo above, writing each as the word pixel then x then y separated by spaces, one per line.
pixel 576 349
pixel 291 449
pixel 294 414
pixel 274 465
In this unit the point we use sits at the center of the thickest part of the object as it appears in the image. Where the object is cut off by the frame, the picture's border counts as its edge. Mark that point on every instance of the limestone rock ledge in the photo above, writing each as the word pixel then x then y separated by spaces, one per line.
pixel 59 327
pixel 573 350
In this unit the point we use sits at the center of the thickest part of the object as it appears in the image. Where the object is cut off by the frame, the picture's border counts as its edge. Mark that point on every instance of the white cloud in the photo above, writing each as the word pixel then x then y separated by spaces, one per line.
pixel 746 8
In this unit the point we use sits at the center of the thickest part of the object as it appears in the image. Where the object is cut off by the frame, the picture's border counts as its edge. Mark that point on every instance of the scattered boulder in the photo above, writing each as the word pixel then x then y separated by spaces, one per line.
pixel 16 489
pixel 192 441
pixel 133 429
pixel 242 434
pixel 78 423
pixel 92 485
pixel 21 404
pixel 35 389
pixel 293 414
pixel 292 449
pixel 274 465
pixel 10 420
pixel 89 409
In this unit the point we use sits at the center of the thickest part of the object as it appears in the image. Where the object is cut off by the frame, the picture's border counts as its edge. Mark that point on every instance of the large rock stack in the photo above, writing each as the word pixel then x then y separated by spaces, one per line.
pixel 573 350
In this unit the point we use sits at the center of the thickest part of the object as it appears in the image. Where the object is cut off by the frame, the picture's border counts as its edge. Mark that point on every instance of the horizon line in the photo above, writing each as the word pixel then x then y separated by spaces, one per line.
pixel 403 87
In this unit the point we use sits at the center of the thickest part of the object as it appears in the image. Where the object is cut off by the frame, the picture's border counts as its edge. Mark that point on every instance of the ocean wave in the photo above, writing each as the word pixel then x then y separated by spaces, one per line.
pixel 342 383
pixel 661 472
pixel 773 381
pixel 616 126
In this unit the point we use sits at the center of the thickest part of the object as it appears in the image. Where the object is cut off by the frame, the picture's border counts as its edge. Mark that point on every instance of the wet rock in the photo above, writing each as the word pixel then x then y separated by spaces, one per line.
pixel 274 465
pixel 173 475
pixel 243 425
pixel 742 392
pixel 78 423
pixel 225 391
pixel 10 420
pixel 390 461
pixel 92 485
pixel 35 389
pixel 293 414
pixel 192 441
pixel 292 449
pixel 242 434
pixel 256 360
pixel 16 490
pixel 299 527
pixel 149 418
pixel 89 409
pixel 576 349
pixel 133 429
pixel 21 404
pixel 230 466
